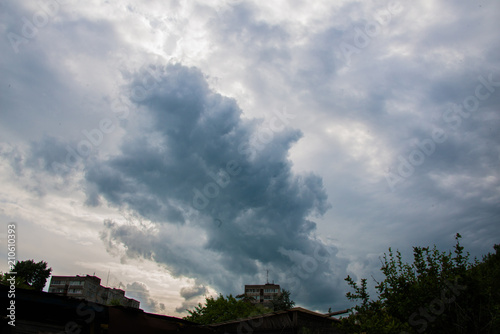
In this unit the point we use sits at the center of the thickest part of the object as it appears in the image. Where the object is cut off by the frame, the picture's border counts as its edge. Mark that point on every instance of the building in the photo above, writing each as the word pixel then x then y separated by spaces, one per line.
pixel 263 294
pixel 42 312
pixel 90 289
pixel 294 321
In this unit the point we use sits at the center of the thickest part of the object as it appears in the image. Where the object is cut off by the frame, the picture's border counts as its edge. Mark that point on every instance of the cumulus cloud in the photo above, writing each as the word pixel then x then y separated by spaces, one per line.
pixel 211 186
pixel 189 294
pixel 195 163
pixel 193 291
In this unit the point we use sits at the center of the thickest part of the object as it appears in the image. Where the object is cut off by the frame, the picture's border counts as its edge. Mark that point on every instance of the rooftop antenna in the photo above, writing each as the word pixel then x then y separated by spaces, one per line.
pixel 267 278
pixel 107 280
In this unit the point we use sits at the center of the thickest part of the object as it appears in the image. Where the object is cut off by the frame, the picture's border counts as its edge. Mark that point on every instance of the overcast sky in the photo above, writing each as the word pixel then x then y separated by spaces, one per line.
pixel 180 149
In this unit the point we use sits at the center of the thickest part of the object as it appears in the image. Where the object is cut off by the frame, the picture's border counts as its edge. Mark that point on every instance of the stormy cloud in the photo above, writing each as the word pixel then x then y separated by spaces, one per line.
pixel 195 163
pixel 205 144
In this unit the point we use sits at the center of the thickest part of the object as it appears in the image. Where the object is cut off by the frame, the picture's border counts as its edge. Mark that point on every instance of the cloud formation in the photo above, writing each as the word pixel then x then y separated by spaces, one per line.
pixel 189 294
pixel 195 163
pixel 139 291
pixel 194 291
pixel 260 147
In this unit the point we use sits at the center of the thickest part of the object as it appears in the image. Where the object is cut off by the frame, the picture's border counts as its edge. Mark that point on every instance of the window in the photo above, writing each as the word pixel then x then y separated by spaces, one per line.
pixel 57 282
pixel 76 283
pixel 75 291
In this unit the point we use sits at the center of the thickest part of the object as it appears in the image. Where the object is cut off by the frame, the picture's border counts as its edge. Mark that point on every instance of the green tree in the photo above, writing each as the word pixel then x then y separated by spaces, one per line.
pixel 33 273
pixel 282 301
pixel 479 310
pixel 115 302
pixel 370 316
pixel 440 292
pixel 19 282
pixel 223 309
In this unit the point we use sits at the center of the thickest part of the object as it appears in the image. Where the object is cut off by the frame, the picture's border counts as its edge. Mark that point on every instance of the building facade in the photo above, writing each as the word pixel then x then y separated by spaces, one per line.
pixel 263 294
pixel 90 289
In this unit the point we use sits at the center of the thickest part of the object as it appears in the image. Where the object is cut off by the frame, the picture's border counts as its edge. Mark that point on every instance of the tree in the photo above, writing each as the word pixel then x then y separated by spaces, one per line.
pixel 282 301
pixel 34 274
pixel 246 298
pixel 221 309
pixel 480 304
pixel 115 302
pixel 440 292
pixel 19 282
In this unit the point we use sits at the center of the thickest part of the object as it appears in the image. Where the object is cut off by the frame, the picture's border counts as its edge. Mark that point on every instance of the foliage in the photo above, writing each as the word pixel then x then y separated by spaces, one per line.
pixel 370 316
pixel 282 301
pixel 440 292
pixel 115 302
pixel 222 309
pixel 479 310
pixel 246 298
pixel 19 282
pixel 30 274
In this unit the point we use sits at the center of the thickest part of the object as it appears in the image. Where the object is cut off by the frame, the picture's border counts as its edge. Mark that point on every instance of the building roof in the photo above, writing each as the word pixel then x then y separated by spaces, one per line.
pixel 295 309
pixel 291 321
pixel 267 284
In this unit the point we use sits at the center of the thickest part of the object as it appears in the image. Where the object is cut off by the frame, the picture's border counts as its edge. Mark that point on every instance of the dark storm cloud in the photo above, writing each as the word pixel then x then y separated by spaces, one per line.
pixel 398 88
pixel 195 162
pixel 224 198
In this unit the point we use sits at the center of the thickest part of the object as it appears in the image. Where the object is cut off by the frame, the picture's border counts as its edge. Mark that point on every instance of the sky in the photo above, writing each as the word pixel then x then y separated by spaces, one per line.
pixel 183 149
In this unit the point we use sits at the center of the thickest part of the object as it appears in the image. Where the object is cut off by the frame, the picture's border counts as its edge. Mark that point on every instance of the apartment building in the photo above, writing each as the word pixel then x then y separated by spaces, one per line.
pixel 90 289
pixel 264 293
